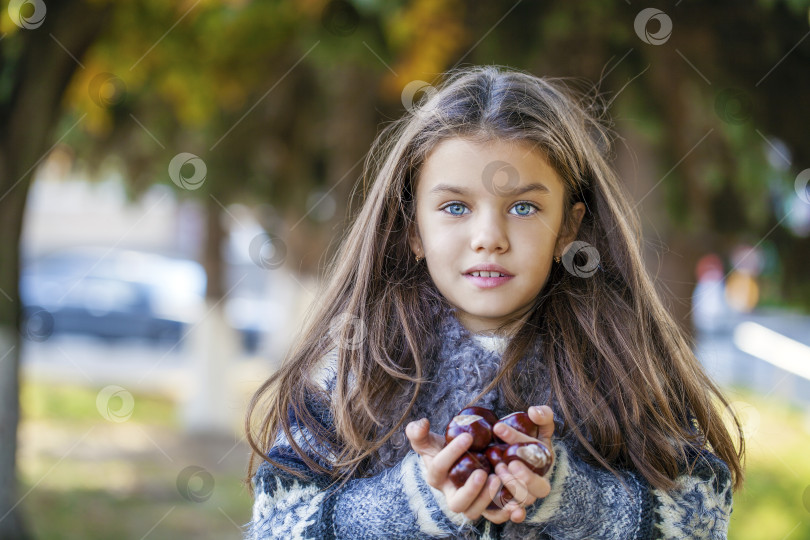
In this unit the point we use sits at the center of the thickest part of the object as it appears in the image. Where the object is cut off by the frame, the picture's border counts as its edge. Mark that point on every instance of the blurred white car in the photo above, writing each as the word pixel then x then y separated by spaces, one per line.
pixel 110 294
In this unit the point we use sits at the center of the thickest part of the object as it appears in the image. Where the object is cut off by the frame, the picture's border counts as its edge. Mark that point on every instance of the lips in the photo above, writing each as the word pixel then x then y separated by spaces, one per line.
pixel 487 282
pixel 488 267
pixel 487 274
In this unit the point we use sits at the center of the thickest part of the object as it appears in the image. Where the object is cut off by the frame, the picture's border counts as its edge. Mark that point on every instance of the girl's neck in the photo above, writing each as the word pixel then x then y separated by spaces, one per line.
pixel 505 333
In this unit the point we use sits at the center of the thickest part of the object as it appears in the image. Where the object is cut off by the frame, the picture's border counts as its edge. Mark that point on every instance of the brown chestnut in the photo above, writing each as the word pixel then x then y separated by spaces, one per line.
pixel 494 453
pixel 536 456
pixel 521 422
pixel 464 466
pixel 483 412
pixel 473 424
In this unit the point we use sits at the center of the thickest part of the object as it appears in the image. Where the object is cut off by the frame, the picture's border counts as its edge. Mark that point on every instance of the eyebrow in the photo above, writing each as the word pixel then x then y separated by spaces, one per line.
pixel 535 186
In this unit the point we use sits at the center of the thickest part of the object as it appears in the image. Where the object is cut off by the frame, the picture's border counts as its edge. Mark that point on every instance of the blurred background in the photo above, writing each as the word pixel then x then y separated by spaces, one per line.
pixel 174 175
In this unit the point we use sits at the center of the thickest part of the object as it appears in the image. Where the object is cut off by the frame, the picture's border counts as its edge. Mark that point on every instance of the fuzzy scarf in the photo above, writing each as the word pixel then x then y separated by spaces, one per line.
pixel 459 365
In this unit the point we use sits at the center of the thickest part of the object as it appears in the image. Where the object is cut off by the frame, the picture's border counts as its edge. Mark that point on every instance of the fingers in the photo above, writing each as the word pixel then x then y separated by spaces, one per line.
pixel 543 416
pixel 486 497
pixel 510 435
pixel 422 440
pixel 503 512
pixel 441 463
pixel 525 485
pixel 472 498
pixel 516 513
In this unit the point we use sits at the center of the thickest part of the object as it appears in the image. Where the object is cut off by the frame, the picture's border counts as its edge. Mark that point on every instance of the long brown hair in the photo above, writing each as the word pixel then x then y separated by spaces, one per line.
pixel 622 374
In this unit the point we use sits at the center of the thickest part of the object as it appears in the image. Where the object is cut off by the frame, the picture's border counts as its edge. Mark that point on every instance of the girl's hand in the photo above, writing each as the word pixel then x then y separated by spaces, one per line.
pixel 475 495
pixel 526 486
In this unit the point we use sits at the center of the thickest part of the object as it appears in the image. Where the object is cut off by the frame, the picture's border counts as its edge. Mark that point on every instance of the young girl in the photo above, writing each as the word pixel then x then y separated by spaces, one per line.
pixel 495 262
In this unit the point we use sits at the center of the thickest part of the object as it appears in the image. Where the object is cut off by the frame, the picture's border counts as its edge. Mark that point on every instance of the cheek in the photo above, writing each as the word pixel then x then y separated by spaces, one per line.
pixel 437 236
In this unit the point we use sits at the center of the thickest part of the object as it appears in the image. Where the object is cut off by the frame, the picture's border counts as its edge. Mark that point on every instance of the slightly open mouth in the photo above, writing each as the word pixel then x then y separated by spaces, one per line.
pixel 488 274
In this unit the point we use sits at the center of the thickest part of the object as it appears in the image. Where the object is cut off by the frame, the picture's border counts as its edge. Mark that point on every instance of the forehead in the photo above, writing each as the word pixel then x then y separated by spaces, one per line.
pixel 474 166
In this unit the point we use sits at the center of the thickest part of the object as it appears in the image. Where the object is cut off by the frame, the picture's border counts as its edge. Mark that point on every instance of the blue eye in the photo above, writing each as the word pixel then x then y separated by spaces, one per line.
pixel 524 204
pixel 454 204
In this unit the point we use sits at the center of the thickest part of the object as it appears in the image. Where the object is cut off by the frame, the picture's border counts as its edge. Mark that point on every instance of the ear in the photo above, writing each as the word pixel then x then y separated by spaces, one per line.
pixel 566 237
pixel 415 241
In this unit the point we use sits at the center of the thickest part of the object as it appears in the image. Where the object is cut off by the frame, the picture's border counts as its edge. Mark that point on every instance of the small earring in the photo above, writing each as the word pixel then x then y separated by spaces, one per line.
pixel 418 258
pixel 556 259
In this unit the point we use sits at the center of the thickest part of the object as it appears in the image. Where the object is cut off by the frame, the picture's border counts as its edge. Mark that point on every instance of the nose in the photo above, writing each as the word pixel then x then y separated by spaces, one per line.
pixel 488 232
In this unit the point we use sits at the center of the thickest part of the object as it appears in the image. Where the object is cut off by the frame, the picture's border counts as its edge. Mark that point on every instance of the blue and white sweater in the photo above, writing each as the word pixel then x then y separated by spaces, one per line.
pixel 396 502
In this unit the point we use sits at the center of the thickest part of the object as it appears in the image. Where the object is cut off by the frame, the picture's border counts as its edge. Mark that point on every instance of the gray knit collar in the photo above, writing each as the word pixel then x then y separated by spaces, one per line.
pixel 459 365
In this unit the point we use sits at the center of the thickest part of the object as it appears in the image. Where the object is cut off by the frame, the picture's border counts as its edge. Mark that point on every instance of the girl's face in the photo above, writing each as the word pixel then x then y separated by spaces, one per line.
pixel 498 202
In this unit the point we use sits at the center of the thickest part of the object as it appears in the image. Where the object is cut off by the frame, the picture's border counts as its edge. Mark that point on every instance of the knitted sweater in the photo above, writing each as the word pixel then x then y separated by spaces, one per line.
pixel 396 502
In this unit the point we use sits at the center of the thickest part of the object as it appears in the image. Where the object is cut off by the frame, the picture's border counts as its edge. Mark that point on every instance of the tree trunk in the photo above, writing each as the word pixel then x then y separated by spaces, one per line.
pixel 213 344
pixel 38 72
pixel 11 210
pixel 688 239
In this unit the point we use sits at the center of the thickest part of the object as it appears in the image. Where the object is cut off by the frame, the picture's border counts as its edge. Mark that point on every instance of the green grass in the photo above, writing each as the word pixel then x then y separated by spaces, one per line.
pixel 78 405
pixel 774 502
pixel 88 478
